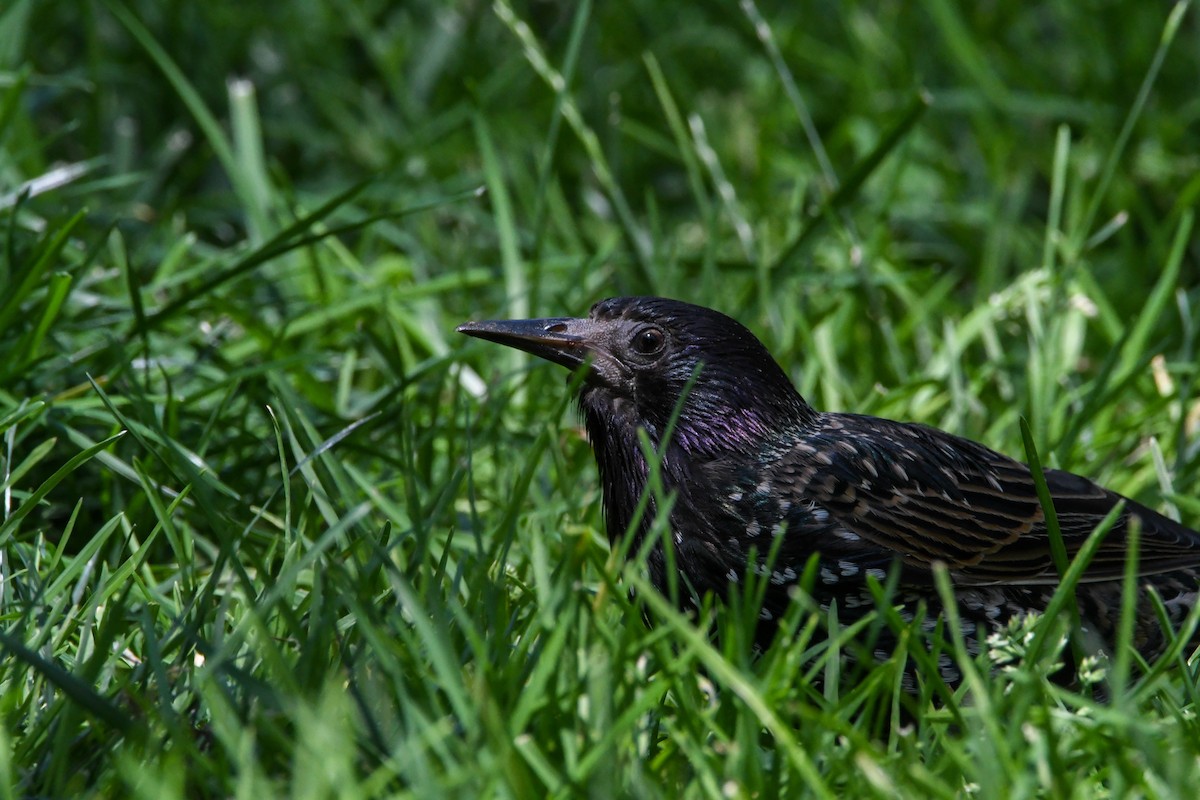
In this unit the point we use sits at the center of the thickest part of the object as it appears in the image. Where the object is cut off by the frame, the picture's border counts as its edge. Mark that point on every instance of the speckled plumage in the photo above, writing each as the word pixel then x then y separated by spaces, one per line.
pixel 750 460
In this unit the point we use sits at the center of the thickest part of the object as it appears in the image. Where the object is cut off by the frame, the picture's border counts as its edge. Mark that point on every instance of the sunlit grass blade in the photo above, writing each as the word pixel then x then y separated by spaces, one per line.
pixel 8 528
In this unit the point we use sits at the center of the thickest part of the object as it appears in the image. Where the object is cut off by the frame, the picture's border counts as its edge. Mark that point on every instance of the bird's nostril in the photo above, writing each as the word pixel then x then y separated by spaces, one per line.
pixel 556 327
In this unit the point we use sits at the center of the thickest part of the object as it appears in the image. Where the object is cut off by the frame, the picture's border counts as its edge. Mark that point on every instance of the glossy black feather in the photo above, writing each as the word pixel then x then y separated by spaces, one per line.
pixel 749 460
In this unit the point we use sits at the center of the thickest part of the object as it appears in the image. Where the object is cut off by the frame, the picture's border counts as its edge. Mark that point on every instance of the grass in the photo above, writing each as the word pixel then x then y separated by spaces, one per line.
pixel 268 527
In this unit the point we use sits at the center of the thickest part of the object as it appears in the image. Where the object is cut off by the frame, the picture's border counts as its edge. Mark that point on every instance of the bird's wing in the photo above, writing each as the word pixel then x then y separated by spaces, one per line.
pixel 930 496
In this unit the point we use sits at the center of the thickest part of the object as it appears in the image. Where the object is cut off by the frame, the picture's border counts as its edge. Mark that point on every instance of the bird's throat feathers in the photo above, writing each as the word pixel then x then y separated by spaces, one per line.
pixel 709 427
pixel 706 424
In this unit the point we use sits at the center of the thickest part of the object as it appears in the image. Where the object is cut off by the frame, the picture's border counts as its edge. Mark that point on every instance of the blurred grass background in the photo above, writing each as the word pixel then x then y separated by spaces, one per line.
pixel 270 528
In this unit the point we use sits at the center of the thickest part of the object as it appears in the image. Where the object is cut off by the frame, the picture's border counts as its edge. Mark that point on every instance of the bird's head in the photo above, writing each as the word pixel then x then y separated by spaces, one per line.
pixel 646 357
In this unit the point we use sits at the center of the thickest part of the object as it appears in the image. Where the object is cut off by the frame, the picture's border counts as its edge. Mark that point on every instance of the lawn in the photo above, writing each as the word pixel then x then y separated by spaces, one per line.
pixel 269 527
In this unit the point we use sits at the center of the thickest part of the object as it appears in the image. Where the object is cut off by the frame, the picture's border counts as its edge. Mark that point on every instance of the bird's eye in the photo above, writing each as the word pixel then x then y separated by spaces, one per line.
pixel 648 341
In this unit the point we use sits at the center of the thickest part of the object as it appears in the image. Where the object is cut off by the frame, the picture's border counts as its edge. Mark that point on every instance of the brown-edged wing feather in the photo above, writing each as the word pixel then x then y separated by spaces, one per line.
pixel 930 496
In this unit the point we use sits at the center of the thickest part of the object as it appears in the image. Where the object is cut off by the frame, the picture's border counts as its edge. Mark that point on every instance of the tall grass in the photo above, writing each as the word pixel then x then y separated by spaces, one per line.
pixel 267 527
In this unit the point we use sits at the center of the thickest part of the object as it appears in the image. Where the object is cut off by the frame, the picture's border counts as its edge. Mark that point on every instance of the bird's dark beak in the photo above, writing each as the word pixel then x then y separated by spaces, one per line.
pixel 562 340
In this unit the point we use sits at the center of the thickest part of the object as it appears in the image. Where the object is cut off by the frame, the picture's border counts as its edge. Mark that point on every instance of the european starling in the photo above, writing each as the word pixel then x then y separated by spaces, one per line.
pixel 749 460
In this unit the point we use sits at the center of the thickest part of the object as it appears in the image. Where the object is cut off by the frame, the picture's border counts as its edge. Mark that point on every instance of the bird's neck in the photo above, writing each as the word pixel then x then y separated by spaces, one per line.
pixel 739 433
pixel 691 456
pixel 621 462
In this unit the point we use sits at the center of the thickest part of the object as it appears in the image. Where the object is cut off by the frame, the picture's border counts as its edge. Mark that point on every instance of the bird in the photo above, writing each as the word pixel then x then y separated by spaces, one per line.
pixel 754 470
